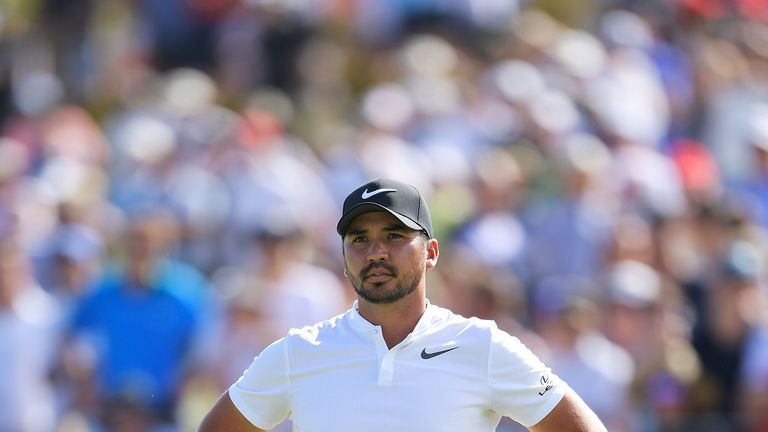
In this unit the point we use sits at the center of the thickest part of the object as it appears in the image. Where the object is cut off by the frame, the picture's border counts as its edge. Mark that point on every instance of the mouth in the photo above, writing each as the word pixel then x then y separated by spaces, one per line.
pixel 378 275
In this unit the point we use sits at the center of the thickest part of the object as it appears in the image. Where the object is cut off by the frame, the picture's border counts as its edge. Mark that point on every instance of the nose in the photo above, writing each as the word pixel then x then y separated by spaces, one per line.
pixel 377 251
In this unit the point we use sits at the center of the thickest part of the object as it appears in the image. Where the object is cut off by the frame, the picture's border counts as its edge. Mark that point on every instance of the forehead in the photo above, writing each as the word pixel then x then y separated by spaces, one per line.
pixel 375 219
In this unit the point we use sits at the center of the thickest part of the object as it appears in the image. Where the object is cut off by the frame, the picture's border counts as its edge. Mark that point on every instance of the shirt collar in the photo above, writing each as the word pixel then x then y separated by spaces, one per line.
pixel 359 323
pixel 431 315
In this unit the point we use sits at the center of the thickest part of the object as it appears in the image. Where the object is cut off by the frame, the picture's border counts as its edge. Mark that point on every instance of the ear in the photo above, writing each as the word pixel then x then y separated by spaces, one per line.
pixel 346 275
pixel 433 251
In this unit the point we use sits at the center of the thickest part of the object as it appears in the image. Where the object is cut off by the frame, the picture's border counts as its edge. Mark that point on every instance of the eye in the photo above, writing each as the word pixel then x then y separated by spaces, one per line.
pixel 358 239
pixel 394 236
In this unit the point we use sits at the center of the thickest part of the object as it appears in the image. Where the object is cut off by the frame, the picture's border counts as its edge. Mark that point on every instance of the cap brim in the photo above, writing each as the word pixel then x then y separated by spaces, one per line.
pixel 359 209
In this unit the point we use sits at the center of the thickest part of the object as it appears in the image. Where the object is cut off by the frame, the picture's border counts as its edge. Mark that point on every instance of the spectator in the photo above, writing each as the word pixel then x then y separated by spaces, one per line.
pixel 294 289
pixel 641 318
pixel 29 330
pixel 728 334
pixel 70 257
pixel 142 361
pixel 568 319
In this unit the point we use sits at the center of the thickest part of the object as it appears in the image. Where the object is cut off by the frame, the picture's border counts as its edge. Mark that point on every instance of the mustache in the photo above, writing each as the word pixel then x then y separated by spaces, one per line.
pixel 374 266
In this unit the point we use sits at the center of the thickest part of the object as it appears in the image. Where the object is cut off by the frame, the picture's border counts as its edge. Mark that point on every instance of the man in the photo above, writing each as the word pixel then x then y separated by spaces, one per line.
pixel 143 319
pixel 394 362
pixel 29 335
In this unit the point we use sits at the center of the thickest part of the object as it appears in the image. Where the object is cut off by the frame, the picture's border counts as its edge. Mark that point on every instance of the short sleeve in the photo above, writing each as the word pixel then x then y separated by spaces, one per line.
pixel 521 386
pixel 261 394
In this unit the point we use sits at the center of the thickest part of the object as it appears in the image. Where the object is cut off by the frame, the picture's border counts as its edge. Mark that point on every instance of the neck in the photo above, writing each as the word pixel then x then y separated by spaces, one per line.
pixel 398 319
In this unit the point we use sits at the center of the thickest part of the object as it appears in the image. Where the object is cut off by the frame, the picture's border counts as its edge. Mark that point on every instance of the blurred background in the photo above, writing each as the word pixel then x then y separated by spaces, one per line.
pixel 171 172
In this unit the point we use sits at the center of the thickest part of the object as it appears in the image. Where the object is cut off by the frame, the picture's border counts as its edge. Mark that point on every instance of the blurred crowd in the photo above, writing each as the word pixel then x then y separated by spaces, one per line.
pixel 171 173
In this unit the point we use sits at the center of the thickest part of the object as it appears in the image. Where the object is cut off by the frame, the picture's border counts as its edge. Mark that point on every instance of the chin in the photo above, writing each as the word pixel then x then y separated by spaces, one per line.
pixel 378 294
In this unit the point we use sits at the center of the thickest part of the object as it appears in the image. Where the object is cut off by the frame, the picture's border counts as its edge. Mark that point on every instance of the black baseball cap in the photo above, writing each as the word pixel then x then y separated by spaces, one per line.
pixel 401 200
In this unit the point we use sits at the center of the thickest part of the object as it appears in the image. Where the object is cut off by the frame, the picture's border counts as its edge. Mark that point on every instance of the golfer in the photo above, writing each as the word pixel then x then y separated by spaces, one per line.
pixel 394 362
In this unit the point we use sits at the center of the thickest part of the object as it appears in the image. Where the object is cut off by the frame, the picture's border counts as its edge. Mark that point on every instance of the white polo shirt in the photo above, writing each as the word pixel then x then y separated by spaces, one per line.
pixel 451 373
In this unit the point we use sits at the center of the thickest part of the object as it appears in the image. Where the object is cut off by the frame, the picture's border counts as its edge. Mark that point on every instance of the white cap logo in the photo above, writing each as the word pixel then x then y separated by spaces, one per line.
pixel 367 194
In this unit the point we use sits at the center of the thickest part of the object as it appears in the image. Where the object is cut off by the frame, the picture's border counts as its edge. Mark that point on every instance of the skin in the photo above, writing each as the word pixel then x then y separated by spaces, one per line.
pixel 386 263
pixel 13 269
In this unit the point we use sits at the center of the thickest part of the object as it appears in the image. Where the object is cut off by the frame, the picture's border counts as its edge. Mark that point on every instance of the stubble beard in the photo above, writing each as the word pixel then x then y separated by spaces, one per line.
pixel 376 292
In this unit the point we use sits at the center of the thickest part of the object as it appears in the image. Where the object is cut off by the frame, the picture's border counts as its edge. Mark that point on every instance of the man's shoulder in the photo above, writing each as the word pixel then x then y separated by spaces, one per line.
pixel 471 331
pixel 313 334
pixel 446 317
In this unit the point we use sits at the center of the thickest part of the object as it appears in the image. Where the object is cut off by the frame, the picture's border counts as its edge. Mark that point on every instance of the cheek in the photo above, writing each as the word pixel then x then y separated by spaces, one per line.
pixel 414 260
pixel 351 263
pixel 418 256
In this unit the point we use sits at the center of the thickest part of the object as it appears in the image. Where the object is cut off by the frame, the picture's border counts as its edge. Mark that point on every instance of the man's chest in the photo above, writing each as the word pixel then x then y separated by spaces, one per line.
pixel 423 386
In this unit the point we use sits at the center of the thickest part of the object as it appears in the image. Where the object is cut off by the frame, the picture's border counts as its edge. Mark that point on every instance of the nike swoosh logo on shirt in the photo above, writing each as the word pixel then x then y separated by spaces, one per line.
pixel 367 194
pixel 426 356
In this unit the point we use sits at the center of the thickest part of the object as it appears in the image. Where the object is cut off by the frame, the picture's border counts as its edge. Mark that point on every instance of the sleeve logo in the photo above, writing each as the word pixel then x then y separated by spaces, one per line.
pixel 547 383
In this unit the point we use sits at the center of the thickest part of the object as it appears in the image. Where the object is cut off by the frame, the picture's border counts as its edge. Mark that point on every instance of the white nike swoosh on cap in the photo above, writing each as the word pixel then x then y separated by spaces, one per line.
pixel 367 194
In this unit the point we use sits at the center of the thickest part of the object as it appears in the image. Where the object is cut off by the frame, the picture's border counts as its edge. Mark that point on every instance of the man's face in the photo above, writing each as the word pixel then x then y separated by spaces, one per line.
pixel 385 260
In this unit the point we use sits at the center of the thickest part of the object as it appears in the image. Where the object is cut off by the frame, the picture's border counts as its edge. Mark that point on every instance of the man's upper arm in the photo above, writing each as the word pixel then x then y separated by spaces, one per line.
pixel 225 417
pixel 571 414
